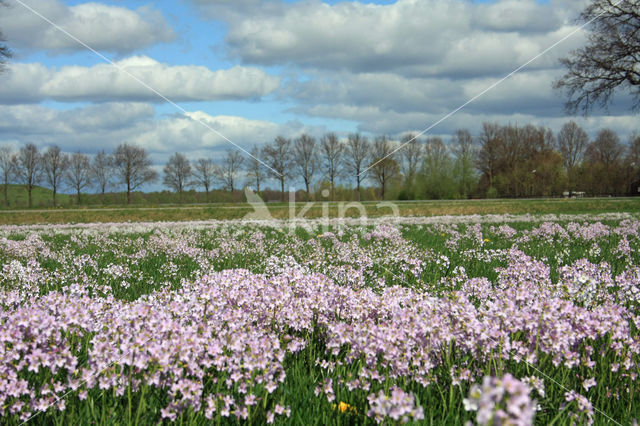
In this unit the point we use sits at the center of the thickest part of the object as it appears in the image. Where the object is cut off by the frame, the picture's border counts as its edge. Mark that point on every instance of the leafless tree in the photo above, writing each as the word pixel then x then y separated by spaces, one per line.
pixel 277 155
pixel 55 163
pixel 29 168
pixel 227 171
pixel 411 154
pixel 102 168
pixel 384 166
pixel 133 167
pixel 79 173
pixel 603 159
pixel 605 149
pixel 435 154
pixel 203 170
pixel 491 145
pixel 7 168
pixel 305 158
pixel 177 173
pixel 609 62
pixel 571 142
pixel 633 153
pixel 255 170
pixel 464 151
pixel 358 152
pixel 332 155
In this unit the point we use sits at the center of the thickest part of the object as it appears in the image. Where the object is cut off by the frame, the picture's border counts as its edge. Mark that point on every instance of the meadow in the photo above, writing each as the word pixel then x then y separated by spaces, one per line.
pixel 314 209
pixel 499 319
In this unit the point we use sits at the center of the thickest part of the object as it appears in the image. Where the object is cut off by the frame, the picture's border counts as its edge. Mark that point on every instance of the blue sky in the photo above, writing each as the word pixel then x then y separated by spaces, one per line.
pixel 255 69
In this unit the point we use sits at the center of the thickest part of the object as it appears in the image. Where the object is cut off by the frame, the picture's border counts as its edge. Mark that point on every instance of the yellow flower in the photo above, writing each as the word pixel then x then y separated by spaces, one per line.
pixel 486 240
pixel 343 407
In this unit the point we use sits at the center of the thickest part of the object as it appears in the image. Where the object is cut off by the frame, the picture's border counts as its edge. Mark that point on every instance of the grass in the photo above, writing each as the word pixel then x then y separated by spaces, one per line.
pixel 41 197
pixel 226 211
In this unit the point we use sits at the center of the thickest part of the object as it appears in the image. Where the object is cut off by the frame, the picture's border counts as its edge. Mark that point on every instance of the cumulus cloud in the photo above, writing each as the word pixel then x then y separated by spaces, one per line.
pixel 102 27
pixel 104 126
pixel 34 82
pixel 378 121
pixel 528 92
pixel 410 37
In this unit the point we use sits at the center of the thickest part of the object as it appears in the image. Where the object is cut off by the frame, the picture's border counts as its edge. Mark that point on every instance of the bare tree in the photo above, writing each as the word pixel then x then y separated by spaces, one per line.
pixel 227 171
pixel 79 173
pixel 203 170
pixel 411 154
pixel 633 152
pixel 604 161
pixel 609 62
pixel 254 169
pixel 29 168
pixel 358 153
pixel 305 159
pixel 633 162
pixel 464 152
pixel 332 153
pixel 491 145
pixel 177 173
pixel 384 166
pixel 7 168
pixel 435 154
pixel 277 155
pixel 605 149
pixel 133 167
pixel 102 168
pixel 55 163
pixel 571 142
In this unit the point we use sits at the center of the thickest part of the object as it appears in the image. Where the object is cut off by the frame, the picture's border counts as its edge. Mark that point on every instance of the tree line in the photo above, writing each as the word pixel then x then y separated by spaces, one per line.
pixel 128 165
pixel 501 161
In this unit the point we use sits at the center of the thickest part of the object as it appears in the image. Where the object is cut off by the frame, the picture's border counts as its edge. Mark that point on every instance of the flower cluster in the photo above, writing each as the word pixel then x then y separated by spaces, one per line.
pixel 501 401
pixel 399 406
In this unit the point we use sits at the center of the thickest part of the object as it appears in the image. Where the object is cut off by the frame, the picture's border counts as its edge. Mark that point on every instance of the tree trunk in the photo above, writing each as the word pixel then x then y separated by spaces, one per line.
pixel 30 200
pixel 306 185
pixel 333 190
pixel 128 193
pixel 6 194
pixel 54 195
pixel 78 189
pixel 358 186
pixel 282 188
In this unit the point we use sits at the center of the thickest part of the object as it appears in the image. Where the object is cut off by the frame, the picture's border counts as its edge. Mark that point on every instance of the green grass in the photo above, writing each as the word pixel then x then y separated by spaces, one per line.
pixel 225 211
pixel 41 197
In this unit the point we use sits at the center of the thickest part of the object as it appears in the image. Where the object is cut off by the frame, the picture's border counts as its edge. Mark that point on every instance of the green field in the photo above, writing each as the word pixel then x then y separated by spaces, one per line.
pixel 223 211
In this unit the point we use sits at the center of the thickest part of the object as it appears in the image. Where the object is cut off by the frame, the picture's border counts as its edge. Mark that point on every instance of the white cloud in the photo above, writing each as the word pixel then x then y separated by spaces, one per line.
pixel 528 92
pixel 102 27
pixel 104 126
pixel 410 37
pixel 104 82
pixel 375 120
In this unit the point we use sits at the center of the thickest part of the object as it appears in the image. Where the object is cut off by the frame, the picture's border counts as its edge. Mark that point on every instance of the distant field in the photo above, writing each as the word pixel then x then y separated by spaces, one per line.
pixel 225 211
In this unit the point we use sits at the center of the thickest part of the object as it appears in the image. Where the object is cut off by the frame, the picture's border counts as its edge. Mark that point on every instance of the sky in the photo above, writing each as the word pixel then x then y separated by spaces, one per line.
pixel 192 75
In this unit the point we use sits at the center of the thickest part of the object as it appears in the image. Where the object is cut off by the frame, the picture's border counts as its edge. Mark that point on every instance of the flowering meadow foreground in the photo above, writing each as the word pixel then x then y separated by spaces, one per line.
pixel 491 320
